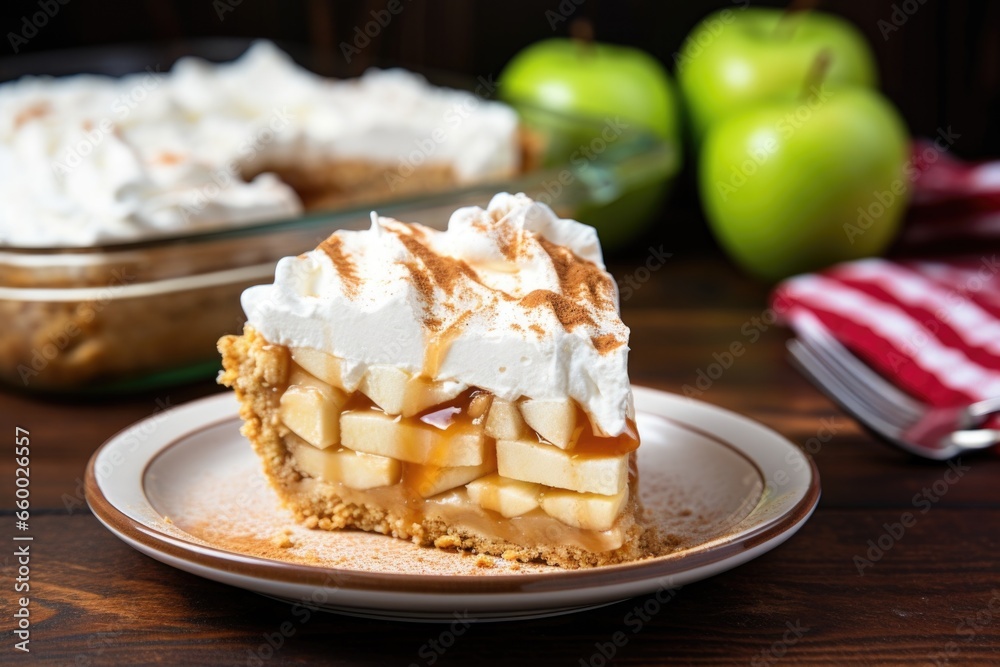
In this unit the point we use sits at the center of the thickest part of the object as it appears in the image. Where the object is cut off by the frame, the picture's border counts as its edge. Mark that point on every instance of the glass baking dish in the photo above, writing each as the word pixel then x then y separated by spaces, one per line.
pixel 143 314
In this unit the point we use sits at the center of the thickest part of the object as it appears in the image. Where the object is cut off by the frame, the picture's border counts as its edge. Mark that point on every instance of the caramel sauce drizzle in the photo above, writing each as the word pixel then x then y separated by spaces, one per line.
pixel 592 445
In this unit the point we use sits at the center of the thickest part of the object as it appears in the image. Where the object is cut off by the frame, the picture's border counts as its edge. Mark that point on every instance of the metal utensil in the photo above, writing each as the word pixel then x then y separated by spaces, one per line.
pixel 930 432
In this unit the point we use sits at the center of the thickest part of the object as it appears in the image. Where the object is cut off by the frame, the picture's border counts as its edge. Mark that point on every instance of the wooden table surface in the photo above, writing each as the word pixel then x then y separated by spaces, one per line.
pixel 932 597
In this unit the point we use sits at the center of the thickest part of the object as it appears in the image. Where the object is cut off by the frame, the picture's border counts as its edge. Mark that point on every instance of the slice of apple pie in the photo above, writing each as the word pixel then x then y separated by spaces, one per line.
pixel 464 389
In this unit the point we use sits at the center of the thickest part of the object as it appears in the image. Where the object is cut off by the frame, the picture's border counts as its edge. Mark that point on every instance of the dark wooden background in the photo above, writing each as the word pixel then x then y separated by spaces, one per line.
pixel 941 66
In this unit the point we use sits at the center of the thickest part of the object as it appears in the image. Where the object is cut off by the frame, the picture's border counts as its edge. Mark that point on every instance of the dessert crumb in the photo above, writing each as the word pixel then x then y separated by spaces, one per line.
pixel 448 542
pixel 283 540
pixel 484 562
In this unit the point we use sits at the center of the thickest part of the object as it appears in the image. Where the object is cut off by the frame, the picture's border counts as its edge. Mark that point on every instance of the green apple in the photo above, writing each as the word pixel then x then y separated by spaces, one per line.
pixel 794 186
pixel 605 83
pixel 736 58
pixel 594 80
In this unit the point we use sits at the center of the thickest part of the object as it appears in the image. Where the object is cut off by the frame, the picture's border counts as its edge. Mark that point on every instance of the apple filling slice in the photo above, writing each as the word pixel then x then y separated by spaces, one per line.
pixel 458 453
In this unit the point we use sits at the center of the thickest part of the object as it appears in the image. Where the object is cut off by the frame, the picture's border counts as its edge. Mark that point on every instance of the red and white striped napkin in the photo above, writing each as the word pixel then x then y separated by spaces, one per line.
pixel 952 200
pixel 932 327
pixel 929 324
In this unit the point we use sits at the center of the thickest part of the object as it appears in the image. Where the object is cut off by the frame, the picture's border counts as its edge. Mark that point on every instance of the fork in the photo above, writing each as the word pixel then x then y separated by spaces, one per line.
pixel 934 433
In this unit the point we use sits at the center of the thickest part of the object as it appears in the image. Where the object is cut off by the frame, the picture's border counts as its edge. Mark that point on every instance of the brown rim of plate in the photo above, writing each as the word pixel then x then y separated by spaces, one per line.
pixel 324 577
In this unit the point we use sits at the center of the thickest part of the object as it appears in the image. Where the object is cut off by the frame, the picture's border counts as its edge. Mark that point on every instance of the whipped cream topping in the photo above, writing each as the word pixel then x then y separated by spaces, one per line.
pixel 90 159
pixel 510 299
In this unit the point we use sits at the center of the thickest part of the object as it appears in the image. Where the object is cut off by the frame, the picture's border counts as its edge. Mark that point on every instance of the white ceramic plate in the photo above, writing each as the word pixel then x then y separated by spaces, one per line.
pixel 185 488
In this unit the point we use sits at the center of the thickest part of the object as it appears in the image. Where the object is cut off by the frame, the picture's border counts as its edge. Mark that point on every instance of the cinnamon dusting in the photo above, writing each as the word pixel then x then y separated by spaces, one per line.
pixel 425 292
pixel 334 249
pixel 507 237
pixel 166 157
pixel 446 272
pixel 32 112
pixel 579 277
pixel 569 313
pixel 606 343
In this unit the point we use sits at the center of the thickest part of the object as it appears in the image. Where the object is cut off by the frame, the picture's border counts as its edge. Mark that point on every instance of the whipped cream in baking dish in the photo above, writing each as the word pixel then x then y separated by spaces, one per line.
pixel 88 159
pixel 510 299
